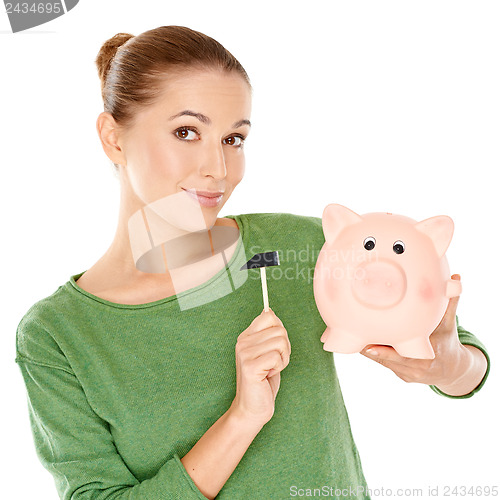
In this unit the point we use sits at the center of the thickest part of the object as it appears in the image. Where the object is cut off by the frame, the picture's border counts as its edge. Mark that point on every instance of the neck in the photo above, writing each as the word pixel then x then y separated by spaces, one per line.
pixel 142 227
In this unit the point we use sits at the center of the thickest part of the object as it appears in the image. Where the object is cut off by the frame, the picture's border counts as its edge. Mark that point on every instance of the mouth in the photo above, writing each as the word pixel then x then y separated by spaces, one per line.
pixel 205 198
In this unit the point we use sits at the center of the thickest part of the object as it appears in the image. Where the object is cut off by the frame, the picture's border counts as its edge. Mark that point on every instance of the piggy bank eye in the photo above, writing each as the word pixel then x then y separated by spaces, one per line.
pixel 369 243
pixel 398 247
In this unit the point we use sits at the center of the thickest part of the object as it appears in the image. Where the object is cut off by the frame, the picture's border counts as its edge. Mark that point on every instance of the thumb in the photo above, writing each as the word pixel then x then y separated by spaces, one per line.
pixel 449 317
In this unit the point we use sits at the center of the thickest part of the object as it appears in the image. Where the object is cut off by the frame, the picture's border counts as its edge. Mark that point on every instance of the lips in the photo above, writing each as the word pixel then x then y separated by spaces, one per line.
pixel 207 194
pixel 207 199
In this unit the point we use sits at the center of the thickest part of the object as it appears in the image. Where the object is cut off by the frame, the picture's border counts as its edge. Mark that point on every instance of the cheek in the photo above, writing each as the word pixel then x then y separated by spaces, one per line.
pixel 235 169
pixel 167 160
pixel 156 172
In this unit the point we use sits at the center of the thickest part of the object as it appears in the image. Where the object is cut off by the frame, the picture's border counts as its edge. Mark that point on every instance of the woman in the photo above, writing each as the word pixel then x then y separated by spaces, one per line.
pixel 161 385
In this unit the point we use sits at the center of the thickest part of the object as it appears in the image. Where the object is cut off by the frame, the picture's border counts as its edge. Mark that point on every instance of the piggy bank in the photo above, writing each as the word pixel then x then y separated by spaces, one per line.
pixel 382 278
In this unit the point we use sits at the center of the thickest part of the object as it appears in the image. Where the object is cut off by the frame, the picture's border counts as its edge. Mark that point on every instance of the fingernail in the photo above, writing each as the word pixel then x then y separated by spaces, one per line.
pixel 372 352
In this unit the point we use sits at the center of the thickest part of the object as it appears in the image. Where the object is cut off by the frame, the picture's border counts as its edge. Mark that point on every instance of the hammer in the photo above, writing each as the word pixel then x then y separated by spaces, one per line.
pixel 263 260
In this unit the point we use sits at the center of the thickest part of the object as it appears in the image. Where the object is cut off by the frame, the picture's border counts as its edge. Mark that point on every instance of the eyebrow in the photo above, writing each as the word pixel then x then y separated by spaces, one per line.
pixel 206 119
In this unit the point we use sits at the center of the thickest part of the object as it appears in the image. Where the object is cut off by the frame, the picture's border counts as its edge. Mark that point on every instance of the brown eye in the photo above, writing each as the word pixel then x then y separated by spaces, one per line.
pixel 233 140
pixel 183 133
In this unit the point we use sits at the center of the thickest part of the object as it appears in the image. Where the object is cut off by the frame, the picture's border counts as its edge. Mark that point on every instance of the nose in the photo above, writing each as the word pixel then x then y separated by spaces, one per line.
pixel 214 162
pixel 380 284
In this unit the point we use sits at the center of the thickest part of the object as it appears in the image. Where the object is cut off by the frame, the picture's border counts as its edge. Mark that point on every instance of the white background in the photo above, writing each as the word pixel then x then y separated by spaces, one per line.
pixel 377 105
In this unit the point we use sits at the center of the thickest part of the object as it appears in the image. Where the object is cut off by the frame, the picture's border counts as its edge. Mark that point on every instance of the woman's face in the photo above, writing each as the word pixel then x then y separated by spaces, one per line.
pixel 167 150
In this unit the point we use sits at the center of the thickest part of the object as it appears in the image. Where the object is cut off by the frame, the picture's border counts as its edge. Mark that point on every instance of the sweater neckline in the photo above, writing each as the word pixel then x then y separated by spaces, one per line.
pixel 237 260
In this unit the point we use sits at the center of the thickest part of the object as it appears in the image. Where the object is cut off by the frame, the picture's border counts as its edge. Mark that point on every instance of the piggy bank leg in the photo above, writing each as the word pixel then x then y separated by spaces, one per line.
pixel 325 335
pixel 420 348
pixel 341 341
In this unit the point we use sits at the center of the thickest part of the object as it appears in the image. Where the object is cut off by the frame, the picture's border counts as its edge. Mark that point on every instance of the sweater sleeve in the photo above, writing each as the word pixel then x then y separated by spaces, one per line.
pixel 72 442
pixel 467 338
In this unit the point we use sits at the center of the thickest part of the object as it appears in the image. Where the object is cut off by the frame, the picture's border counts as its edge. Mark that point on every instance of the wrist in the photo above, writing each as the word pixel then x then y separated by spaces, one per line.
pixel 469 375
pixel 243 421
pixel 461 368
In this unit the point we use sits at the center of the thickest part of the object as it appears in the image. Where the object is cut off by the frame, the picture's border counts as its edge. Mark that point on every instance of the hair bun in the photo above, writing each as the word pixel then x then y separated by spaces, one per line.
pixel 108 51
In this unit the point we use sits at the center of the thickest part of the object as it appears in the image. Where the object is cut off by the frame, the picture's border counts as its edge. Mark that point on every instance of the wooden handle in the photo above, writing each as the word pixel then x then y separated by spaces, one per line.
pixel 264 288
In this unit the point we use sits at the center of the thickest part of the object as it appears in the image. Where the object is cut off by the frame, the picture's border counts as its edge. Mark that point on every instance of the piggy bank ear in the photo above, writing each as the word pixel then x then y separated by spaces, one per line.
pixel 439 229
pixel 336 218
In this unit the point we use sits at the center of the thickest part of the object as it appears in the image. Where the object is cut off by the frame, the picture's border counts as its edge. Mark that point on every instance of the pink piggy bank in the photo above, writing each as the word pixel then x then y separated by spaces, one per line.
pixel 382 278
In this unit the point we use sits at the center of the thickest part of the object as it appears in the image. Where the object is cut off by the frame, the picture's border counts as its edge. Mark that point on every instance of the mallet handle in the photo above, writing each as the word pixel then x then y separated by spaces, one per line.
pixel 264 288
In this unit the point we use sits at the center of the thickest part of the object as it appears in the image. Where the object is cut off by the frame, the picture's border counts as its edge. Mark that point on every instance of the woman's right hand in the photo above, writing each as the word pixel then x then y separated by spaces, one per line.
pixel 262 351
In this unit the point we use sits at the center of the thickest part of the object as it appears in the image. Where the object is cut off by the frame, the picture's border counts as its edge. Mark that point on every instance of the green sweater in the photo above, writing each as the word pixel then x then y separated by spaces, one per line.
pixel 118 393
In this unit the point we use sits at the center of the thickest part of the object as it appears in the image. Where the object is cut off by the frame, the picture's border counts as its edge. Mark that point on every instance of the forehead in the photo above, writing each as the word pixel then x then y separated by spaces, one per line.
pixel 204 90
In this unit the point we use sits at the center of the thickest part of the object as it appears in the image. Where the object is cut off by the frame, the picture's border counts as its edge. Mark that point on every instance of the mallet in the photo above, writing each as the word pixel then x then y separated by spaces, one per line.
pixel 263 260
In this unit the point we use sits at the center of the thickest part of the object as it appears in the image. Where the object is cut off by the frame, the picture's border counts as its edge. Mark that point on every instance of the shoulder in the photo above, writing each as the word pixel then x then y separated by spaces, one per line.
pixel 300 226
pixel 35 339
pixel 296 237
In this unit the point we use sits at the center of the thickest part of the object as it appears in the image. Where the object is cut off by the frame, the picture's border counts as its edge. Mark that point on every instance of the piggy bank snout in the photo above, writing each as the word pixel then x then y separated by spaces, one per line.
pixel 380 284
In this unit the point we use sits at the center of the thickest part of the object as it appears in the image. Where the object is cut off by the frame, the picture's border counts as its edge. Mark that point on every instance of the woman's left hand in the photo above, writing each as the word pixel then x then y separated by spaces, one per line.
pixel 451 357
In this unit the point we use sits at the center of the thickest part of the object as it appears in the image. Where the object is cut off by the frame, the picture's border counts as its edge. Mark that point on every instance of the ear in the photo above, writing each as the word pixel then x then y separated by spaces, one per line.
pixel 107 129
pixel 336 218
pixel 439 229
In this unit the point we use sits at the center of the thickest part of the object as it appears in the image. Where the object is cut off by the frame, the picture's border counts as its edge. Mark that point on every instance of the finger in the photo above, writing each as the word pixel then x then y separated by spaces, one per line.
pixel 386 355
pixel 266 319
pixel 449 317
pixel 271 313
pixel 273 344
pixel 269 333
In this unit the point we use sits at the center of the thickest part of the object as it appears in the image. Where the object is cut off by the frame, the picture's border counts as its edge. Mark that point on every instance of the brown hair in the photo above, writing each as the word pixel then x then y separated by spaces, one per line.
pixel 132 68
